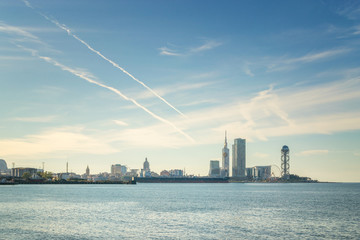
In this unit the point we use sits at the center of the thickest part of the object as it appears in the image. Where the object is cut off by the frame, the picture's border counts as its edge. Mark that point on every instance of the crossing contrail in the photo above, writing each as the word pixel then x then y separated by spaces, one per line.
pixel 90 80
pixel 63 27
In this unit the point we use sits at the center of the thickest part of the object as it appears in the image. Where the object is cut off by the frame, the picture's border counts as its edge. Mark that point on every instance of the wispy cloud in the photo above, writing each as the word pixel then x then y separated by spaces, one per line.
pixel 311 57
pixel 288 111
pixel 16 31
pixel 42 119
pixel 152 136
pixel 247 70
pixel 28 4
pixel 291 63
pixel 205 75
pixel 65 139
pixel 20 35
pixel 166 90
pixel 208 45
pixel 356 30
pixel 168 52
pixel 261 155
pixel 200 102
pixel 269 113
pixel 114 64
pixel 120 123
pixel 313 152
pixel 350 10
pixel 86 76
pixel 14 58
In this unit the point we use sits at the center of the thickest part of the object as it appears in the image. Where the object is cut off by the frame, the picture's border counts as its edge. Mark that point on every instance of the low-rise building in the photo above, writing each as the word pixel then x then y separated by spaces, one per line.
pixel 19 172
pixel 164 173
pixel 176 173
pixel 259 173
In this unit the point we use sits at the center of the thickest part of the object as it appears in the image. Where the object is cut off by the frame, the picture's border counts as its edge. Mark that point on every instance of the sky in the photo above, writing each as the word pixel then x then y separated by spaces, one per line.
pixel 112 82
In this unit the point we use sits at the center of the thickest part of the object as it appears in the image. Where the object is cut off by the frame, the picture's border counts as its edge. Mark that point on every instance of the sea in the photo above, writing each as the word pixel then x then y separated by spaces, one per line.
pixel 181 211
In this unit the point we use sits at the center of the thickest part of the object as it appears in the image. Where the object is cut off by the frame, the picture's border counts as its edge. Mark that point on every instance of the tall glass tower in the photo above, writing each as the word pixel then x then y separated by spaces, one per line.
pixel 225 158
pixel 239 157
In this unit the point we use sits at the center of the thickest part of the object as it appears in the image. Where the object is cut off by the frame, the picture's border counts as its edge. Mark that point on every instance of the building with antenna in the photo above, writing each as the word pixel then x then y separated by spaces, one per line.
pixel 225 159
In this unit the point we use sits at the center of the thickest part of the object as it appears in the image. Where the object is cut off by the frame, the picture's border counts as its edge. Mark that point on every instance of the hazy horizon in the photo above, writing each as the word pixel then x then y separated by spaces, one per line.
pixel 112 82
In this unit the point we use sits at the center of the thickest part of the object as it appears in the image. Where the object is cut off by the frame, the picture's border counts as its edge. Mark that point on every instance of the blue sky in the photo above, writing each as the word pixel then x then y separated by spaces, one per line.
pixel 103 82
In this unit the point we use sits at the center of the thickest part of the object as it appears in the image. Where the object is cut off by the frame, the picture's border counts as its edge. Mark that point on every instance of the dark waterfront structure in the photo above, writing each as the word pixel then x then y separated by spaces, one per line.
pixel 182 180
pixel 239 158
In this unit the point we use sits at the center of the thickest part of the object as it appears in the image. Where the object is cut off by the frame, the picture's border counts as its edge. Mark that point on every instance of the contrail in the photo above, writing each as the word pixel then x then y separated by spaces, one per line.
pixel 62 26
pixel 88 79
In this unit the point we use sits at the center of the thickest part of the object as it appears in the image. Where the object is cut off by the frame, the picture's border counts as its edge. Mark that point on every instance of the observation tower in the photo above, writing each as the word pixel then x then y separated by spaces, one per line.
pixel 285 165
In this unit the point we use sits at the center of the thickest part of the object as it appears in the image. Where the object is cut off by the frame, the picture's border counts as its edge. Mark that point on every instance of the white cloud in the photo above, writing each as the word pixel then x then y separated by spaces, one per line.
pixel 350 10
pixel 285 64
pixel 261 155
pixel 168 52
pixel 51 91
pixel 16 30
pixel 27 3
pixel 206 46
pixel 314 152
pixel 15 58
pixel 205 75
pixel 270 113
pixel 120 123
pixel 66 139
pixel 42 119
pixel 87 77
pixel 356 30
pixel 247 71
pixel 150 136
pixel 166 90
pixel 317 56
pixel 193 103
pixel 321 109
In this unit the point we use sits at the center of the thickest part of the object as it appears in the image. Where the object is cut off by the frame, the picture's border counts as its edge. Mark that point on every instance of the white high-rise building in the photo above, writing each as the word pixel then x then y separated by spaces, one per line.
pixel 239 158
pixel 225 159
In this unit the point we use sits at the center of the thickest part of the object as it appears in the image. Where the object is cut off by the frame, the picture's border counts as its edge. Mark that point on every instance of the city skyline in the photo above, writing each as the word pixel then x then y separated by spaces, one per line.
pixel 101 83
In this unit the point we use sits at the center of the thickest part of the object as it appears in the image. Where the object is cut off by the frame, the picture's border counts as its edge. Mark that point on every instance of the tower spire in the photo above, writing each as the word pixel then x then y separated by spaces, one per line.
pixel 225 144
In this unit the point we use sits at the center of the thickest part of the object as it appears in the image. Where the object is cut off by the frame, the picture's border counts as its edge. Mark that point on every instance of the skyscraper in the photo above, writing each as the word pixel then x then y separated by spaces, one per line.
pixel 225 158
pixel 239 157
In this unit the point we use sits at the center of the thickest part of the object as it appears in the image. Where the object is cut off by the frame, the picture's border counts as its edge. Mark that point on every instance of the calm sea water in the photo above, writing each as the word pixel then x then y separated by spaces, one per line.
pixel 181 211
